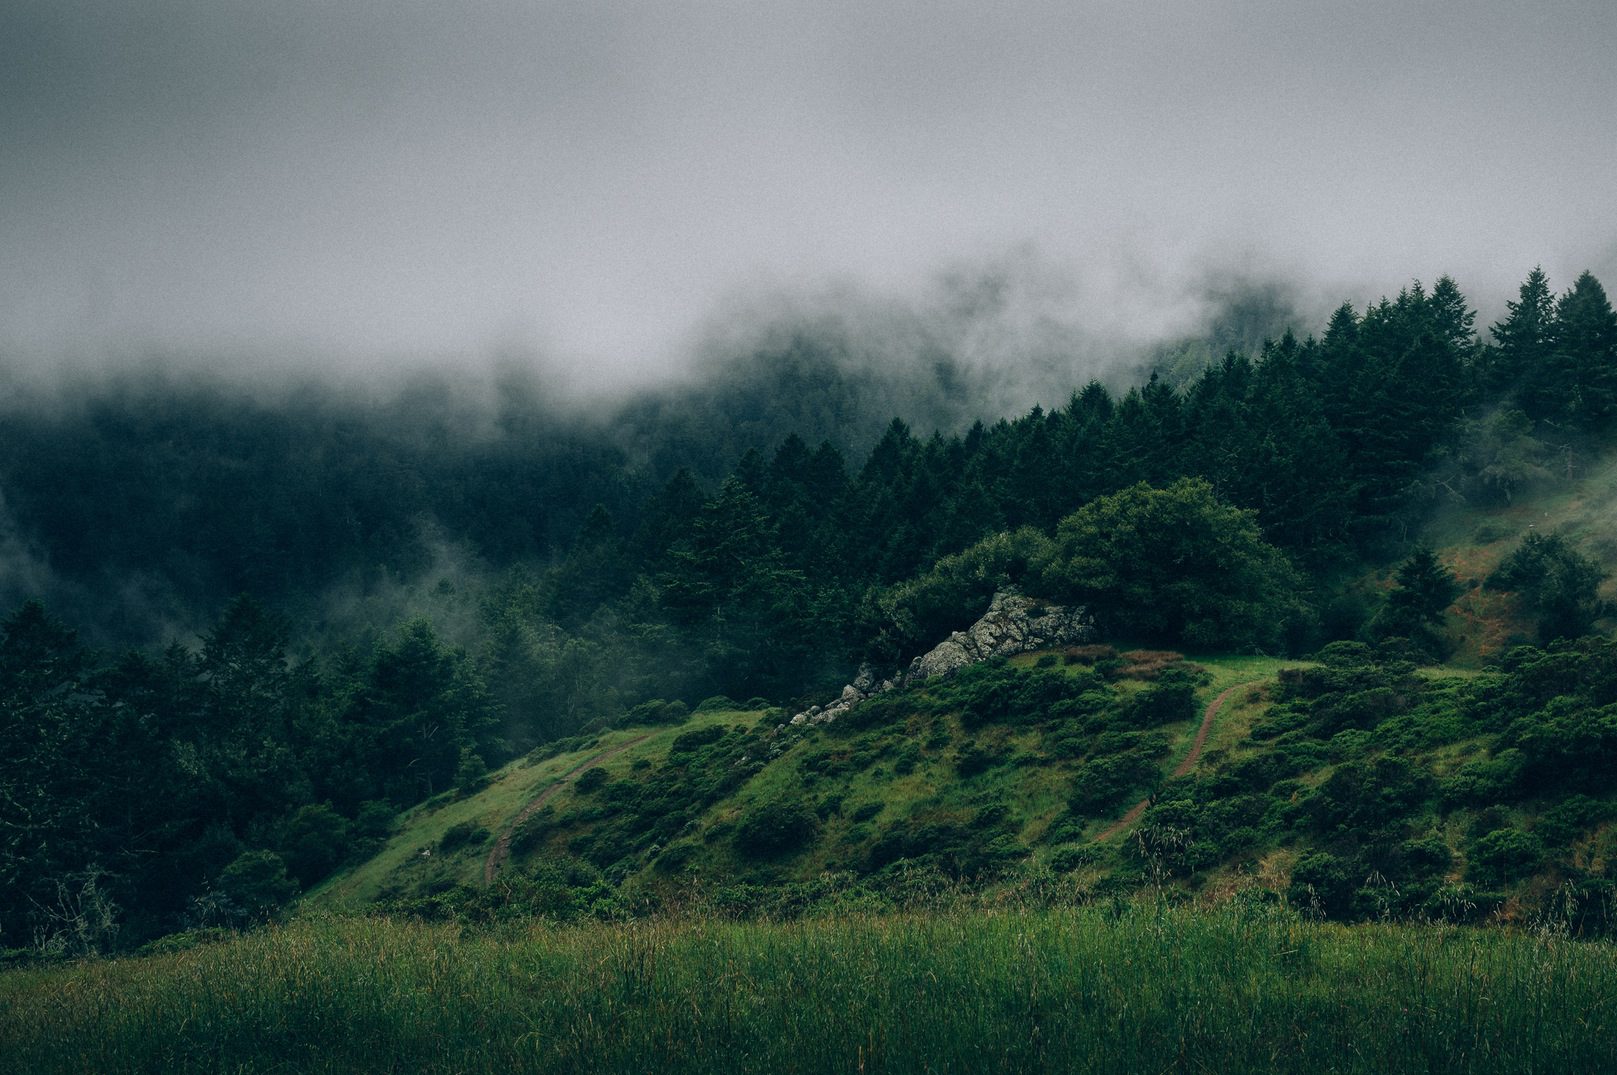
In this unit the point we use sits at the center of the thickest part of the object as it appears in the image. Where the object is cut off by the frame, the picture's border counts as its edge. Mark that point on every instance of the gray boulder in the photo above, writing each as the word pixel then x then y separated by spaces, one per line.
pixel 1013 624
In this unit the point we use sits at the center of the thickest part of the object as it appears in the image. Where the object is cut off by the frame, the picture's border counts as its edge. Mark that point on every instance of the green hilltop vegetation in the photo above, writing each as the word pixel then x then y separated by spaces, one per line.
pixel 443 692
pixel 1356 787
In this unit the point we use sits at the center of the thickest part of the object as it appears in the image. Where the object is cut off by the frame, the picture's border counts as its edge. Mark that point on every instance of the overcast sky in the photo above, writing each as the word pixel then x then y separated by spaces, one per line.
pixel 598 181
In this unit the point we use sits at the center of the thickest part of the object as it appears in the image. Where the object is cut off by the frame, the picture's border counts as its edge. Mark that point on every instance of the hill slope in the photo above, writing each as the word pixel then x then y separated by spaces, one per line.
pixel 1360 786
pixel 1474 539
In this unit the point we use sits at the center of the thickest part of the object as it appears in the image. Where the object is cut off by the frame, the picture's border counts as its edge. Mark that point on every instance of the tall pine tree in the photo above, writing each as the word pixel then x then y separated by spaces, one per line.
pixel 1519 360
pixel 1583 347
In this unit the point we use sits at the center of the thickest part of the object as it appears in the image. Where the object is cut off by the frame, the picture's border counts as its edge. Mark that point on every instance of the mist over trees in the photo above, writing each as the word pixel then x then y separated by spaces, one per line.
pixel 675 550
pixel 741 547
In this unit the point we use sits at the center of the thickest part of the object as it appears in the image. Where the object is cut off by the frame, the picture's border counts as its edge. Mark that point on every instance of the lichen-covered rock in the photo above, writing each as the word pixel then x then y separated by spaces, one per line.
pixel 1013 624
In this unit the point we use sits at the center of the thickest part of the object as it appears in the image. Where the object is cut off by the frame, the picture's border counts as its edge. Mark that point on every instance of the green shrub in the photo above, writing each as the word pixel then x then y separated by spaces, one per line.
pixel 877 712
pixel 974 759
pixel 691 741
pixel 1000 693
pixel 185 941
pixel 375 819
pixel 590 779
pixel 1281 719
pixel 1323 883
pixel 909 757
pixel 1486 780
pixel 1106 781
pixel 1344 655
pixel 1065 830
pixel 316 840
pixel 658 711
pixel 1175 565
pixel 1073 856
pixel 1348 744
pixel 1571 743
pixel 951 595
pixel 471 773
pixel 675 857
pixel 1505 856
pixel 1462 903
pixel 1564 822
pixel 533 832
pixel 462 834
pixel 776 829
pixel 253 887
pixel 1426 856
pixel 1362 797
pixel 1357 709
pixel 866 811
pixel 1168 700
pixel 959 846
pixel 1065 743
pixel 1558 583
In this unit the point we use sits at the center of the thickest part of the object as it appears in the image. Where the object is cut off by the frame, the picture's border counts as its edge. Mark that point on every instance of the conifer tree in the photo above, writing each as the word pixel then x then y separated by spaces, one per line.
pixel 1451 317
pixel 669 517
pixel 1422 591
pixel 1522 347
pixel 1583 342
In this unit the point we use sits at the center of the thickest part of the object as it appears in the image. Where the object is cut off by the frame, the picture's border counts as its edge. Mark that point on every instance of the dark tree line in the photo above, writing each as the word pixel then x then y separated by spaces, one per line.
pixel 165 784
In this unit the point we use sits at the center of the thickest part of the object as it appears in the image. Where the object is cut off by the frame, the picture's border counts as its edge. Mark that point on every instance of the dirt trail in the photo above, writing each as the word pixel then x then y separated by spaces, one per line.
pixel 1184 767
pixel 502 846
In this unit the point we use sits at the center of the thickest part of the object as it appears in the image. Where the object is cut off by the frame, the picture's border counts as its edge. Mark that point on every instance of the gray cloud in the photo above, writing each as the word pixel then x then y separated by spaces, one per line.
pixel 425 181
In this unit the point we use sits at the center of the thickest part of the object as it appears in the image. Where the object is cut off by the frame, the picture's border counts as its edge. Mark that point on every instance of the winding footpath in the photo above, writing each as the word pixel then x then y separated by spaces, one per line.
pixel 1184 767
pixel 502 846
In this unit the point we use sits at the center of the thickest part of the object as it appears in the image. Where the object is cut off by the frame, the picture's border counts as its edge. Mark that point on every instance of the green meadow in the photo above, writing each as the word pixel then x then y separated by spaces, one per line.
pixel 1127 988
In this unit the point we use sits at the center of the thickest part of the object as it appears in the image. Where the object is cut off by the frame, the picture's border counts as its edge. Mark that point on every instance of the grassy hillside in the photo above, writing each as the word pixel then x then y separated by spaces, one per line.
pixel 730 796
pixel 418 857
pixel 1358 788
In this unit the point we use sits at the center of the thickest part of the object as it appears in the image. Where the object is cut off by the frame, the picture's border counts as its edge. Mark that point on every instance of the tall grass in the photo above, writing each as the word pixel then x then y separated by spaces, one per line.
pixel 1151 989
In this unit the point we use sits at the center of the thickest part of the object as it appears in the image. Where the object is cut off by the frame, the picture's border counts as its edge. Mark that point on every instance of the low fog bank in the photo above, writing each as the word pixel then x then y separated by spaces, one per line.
pixel 977 342
pixel 139 491
pixel 829 359
pixel 138 494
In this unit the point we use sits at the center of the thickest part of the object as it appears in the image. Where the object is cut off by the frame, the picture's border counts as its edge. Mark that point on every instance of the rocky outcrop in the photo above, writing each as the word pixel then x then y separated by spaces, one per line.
pixel 1013 624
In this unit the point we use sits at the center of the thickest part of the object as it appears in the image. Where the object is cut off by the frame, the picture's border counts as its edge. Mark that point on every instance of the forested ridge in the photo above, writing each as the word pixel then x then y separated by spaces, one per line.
pixel 586 567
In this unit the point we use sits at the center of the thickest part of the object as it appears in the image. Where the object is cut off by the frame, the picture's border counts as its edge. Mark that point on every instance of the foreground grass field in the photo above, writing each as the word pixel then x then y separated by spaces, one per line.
pixel 1125 989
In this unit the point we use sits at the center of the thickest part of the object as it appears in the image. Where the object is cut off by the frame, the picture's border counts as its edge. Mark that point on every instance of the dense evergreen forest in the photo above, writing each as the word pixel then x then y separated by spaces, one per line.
pixel 209 701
